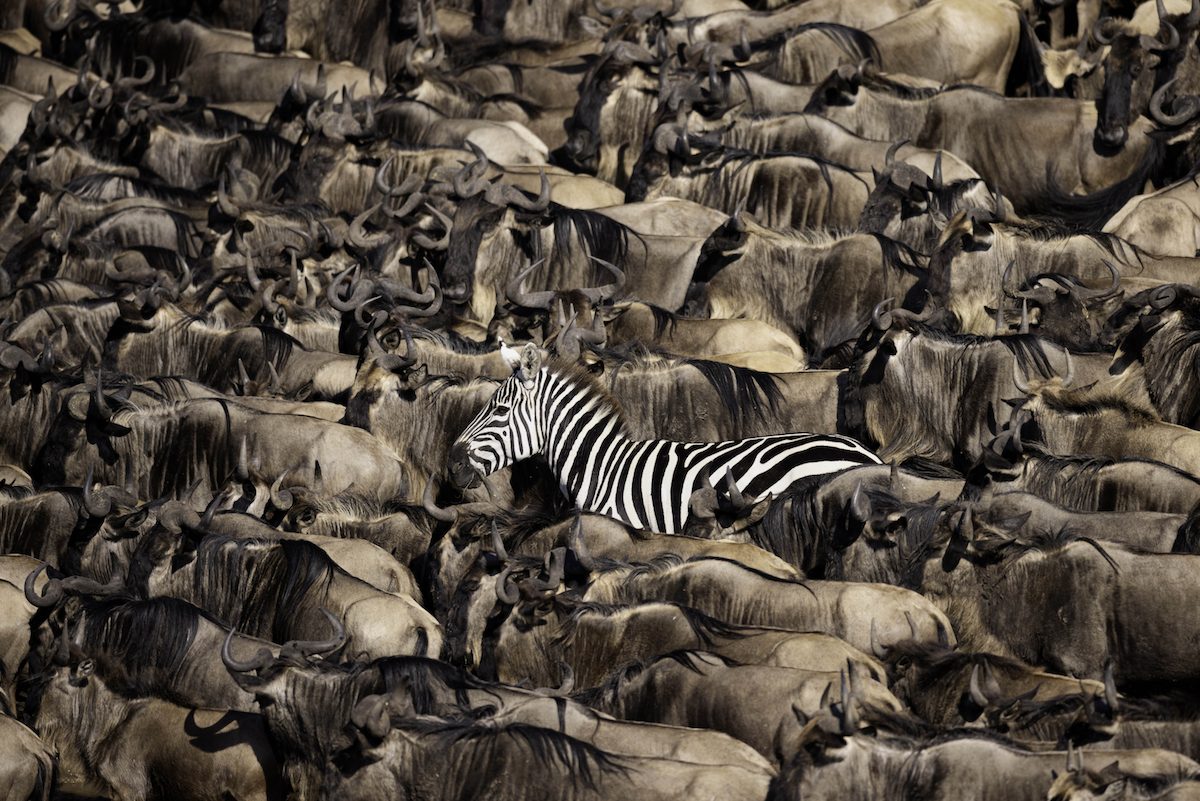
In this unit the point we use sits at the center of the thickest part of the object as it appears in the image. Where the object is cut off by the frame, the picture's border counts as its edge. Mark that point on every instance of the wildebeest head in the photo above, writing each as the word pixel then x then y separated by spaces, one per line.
pixel 621 81
pixel 1131 67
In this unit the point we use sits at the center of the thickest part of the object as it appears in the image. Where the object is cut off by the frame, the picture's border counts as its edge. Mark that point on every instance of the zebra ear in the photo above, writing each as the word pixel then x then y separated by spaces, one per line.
pixel 531 360
pixel 510 356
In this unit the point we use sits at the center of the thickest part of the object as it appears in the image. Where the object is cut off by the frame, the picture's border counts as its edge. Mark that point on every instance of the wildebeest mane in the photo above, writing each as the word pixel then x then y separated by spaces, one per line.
pixel 144 635
pixel 474 767
pixel 744 393
pixel 937 661
pixel 856 44
pixel 260 586
pixel 704 626
pixel 741 390
pixel 421 675
pixel 107 186
pixel 601 236
pixel 1093 210
pixel 1095 402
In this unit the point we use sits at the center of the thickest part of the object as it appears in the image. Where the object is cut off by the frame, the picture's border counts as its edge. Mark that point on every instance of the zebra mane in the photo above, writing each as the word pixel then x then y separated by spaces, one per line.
pixel 586 383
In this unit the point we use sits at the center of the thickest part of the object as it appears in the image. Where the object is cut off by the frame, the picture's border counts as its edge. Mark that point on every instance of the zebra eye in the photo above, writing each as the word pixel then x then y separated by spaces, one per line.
pixel 502 409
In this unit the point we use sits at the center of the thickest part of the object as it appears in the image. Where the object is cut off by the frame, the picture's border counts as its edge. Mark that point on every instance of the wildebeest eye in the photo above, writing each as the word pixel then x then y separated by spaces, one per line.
pixel 392 339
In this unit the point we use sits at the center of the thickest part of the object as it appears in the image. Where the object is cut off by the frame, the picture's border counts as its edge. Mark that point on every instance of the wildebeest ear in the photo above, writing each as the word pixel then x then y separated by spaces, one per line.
pixel 84 669
pixel 77 406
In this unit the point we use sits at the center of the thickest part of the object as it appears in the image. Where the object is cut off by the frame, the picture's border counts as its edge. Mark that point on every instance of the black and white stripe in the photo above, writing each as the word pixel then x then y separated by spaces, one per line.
pixel 645 483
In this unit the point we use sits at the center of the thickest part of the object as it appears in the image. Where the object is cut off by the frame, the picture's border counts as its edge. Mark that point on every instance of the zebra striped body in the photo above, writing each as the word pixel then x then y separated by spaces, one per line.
pixel 563 413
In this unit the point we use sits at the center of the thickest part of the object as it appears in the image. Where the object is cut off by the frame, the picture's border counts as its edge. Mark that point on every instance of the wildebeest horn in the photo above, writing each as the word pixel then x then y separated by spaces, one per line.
pixel 435 511
pixel 380 183
pixel 281 499
pixel 1019 379
pixel 1152 43
pixel 1070 376
pixel 503 194
pixel 134 81
pixel 565 687
pixel 51 594
pixel 467 186
pixel 62 24
pixel 606 12
pixel 259 661
pixel 1098 31
pixel 935 181
pixel 736 498
pixel 881 319
pixel 507 594
pixel 849 720
pixel 602 293
pixel 577 543
pixel 224 203
pixel 1024 329
pixel 1110 689
pixel 1084 292
pixel 878 650
pixel 1189 105
pixel 95 507
pixel 703 501
pixel 358 294
pixel 309 647
pixel 530 300
pixel 498 542
pixel 1163 296
pixel 429 244
pixel 977 695
pixel 860 507
pixel 890 156
pixel 356 234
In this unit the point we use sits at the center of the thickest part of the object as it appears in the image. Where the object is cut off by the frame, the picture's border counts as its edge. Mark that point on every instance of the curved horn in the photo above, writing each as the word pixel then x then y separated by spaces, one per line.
pixel 860 507
pixel 504 194
pixel 1189 106
pixel 890 156
pixel 441 244
pixel 1084 292
pixel 435 511
pixel 51 593
pixel 507 594
pixel 95 507
pixel 498 542
pixel 1098 31
pixel 224 203
pixel 1019 379
pixel 577 544
pixel 1110 689
pixel 603 293
pixel 530 300
pixel 380 183
pixel 281 499
pixel 309 648
pixel 259 661
pixel 882 320
pixel 977 695
pixel 736 498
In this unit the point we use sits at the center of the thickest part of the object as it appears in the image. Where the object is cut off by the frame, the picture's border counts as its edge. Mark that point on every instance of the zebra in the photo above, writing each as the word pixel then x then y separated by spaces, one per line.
pixel 558 409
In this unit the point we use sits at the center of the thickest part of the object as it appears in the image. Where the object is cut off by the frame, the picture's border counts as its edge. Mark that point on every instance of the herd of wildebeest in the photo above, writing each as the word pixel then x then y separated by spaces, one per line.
pixel 257 260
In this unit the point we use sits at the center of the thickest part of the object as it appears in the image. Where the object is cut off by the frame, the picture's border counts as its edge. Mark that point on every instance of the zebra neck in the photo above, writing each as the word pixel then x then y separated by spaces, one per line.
pixel 586 436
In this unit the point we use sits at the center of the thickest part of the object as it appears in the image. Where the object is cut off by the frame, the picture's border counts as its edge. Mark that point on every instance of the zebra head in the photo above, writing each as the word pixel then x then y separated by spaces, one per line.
pixel 507 429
